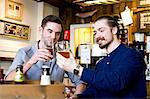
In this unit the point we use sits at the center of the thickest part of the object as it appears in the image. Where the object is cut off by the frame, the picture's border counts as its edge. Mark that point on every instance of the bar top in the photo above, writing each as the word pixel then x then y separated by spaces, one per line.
pixel 31 90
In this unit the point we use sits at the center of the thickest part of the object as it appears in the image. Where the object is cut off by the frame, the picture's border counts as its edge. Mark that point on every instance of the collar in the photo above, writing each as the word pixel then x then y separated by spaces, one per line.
pixel 116 50
pixel 38 46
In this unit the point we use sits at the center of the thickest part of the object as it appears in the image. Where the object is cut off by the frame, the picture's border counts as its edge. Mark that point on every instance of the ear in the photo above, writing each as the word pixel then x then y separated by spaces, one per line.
pixel 114 30
pixel 40 29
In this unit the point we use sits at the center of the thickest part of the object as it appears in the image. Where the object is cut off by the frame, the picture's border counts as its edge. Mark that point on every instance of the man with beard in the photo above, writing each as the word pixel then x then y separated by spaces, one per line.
pixel 121 74
pixel 33 57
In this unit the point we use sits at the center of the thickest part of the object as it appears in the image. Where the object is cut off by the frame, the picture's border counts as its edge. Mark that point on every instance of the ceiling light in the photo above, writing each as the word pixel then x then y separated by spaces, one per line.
pixel 127 16
pixel 95 2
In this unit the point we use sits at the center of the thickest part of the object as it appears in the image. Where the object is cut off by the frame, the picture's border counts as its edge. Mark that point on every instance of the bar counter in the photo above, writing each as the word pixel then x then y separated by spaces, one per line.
pixel 31 90
pixel 148 88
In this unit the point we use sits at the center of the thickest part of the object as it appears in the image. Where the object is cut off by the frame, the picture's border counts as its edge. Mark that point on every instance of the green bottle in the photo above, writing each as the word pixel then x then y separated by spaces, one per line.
pixel 19 77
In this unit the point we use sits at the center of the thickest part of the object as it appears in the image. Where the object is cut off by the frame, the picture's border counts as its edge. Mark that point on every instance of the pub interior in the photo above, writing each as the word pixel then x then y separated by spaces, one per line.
pixel 19 27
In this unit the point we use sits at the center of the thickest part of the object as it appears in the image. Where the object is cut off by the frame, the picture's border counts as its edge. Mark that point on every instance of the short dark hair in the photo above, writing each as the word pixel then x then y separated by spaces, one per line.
pixel 112 22
pixel 51 18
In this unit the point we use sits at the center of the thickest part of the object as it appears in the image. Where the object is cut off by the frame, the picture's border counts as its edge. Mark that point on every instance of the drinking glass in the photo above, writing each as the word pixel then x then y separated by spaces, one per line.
pixel 62 47
pixel 50 48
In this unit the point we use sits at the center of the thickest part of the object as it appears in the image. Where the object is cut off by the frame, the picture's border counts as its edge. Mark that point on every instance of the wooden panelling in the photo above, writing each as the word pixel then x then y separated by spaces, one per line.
pixel 68 14
pixel 148 88
pixel 6 59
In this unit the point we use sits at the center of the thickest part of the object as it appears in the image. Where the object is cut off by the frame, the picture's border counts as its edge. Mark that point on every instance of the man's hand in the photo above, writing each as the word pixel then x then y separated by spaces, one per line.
pixel 68 64
pixel 40 55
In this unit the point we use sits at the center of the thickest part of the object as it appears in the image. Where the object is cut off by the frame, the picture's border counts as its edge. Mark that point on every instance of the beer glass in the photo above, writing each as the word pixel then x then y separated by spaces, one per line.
pixel 62 47
pixel 50 48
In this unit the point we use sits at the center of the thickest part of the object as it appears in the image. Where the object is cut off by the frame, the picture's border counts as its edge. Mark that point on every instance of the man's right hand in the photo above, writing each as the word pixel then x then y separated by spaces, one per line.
pixel 40 55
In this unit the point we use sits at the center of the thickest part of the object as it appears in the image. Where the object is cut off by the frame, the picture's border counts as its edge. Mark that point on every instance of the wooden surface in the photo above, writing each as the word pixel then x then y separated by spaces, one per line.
pixel 31 91
pixel 148 88
pixel 6 58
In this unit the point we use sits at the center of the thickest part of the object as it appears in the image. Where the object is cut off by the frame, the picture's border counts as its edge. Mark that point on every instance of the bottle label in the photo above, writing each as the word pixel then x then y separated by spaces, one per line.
pixel 19 77
pixel 45 80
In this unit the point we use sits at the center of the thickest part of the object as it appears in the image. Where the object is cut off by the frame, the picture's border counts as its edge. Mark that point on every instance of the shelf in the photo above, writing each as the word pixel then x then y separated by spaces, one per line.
pixel 6 59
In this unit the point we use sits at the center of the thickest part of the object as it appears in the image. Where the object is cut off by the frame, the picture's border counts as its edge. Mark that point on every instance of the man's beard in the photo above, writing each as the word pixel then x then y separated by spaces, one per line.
pixel 105 45
pixel 100 45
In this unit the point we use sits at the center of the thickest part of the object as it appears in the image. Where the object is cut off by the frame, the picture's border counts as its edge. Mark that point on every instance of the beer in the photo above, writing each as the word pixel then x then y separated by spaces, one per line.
pixel 62 47
pixel 65 54
pixel 50 50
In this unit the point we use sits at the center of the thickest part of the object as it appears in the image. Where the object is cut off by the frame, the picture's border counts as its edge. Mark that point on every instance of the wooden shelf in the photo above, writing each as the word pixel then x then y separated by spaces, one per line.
pixel 6 59
pixel 140 9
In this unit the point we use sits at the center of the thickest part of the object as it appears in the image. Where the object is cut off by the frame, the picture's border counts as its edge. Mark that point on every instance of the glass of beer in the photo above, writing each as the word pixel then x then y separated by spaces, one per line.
pixel 50 48
pixel 62 47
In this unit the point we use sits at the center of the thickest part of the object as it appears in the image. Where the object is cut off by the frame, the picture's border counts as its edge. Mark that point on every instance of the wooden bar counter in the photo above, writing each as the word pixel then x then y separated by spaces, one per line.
pixel 31 90
pixel 148 88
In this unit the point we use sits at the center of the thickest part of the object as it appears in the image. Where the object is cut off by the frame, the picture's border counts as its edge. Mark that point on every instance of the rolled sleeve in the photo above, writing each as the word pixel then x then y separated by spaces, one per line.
pixel 16 62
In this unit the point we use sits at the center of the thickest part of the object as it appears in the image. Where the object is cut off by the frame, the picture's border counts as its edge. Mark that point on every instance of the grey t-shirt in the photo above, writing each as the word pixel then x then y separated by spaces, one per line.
pixel 34 73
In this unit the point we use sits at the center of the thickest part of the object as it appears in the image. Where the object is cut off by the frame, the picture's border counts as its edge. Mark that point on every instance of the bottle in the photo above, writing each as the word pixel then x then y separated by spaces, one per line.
pixel 45 77
pixel 19 77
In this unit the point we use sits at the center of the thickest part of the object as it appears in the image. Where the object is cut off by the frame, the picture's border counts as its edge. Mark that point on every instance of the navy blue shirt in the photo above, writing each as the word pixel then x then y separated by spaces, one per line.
pixel 121 74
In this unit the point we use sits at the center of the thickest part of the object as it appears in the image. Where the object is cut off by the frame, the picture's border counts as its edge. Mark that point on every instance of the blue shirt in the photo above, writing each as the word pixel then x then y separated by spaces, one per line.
pixel 121 74
pixel 34 73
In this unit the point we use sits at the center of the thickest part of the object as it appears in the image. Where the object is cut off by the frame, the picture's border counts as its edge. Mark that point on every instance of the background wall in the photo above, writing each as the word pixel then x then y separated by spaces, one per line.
pixel 33 13
pixel 8 47
pixel 49 9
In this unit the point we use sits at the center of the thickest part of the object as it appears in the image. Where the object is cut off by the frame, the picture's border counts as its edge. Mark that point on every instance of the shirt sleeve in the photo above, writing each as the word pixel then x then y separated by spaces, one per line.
pixel 129 69
pixel 88 93
pixel 16 62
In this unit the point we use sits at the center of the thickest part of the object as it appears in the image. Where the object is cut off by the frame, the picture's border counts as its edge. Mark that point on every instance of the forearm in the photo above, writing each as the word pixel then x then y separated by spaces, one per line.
pixel 11 75
pixel 27 66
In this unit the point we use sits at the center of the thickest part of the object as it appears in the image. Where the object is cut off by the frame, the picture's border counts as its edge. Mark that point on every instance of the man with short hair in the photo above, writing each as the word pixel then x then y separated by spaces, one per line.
pixel 33 57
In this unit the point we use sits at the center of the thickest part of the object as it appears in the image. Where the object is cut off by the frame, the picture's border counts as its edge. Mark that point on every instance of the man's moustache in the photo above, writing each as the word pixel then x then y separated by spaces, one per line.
pixel 102 38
